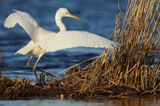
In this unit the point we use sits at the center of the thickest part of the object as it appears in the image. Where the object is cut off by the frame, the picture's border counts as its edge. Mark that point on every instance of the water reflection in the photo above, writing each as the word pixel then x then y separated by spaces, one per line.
pixel 133 101
pixel 47 103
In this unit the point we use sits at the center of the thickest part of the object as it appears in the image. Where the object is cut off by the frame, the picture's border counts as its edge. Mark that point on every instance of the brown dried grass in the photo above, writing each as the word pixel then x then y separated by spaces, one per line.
pixel 131 69
pixel 18 89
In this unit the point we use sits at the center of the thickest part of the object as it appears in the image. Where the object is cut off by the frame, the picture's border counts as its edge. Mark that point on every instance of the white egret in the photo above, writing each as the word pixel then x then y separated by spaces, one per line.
pixel 35 50
pixel 44 41
pixel 32 48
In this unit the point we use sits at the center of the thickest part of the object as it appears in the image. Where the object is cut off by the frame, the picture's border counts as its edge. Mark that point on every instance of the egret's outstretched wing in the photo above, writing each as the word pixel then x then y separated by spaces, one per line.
pixel 70 39
pixel 24 20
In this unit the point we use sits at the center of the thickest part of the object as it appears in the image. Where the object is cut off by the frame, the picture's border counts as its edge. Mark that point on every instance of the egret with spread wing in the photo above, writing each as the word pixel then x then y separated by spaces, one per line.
pixel 31 47
pixel 44 41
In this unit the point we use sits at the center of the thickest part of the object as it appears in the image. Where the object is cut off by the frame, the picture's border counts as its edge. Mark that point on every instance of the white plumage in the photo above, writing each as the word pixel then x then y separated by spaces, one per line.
pixel 26 49
pixel 70 39
pixel 23 19
pixel 46 41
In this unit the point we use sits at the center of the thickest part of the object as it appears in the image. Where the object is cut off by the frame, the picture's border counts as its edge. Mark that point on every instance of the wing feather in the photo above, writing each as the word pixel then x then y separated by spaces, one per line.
pixel 71 39
pixel 24 20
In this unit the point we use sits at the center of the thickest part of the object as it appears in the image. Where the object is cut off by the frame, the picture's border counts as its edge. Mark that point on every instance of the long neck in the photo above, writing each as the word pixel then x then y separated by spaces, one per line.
pixel 58 20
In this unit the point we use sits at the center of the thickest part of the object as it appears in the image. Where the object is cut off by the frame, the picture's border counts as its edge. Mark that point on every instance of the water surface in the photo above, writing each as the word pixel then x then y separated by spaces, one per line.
pixel 133 101
pixel 97 16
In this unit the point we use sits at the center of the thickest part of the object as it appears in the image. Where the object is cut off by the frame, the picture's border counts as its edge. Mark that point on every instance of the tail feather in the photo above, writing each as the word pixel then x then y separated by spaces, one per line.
pixel 21 51
pixel 26 49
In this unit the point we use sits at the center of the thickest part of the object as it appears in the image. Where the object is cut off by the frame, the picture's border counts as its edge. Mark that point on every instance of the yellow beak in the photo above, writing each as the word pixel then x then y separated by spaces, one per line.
pixel 73 16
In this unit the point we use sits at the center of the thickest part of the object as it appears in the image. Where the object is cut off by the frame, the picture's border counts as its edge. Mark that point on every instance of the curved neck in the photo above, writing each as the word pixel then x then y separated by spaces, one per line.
pixel 59 23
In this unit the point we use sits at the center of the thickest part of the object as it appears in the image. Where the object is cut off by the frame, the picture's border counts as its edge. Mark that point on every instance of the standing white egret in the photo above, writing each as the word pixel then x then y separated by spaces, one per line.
pixel 35 50
pixel 44 41
pixel 32 48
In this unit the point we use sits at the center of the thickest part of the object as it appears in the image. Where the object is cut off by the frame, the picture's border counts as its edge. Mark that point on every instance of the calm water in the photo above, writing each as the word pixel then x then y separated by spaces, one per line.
pixel 97 16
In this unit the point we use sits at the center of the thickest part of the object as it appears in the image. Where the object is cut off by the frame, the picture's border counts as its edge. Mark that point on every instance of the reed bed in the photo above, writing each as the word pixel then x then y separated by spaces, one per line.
pixel 18 89
pixel 134 68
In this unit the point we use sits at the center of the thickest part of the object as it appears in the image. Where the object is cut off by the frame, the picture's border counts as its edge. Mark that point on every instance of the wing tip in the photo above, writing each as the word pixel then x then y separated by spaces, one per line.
pixel 12 19
pixel 16 10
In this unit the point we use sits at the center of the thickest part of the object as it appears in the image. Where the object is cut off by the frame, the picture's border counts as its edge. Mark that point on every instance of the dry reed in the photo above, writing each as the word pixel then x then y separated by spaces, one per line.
pixel 133 69
pixel 18 89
